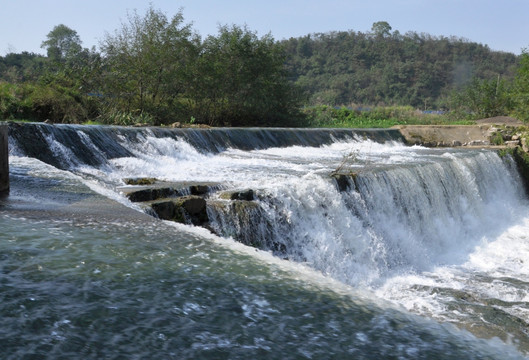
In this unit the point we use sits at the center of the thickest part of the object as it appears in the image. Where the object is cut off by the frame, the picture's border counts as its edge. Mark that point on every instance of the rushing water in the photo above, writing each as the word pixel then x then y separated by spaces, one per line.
pixel 422 254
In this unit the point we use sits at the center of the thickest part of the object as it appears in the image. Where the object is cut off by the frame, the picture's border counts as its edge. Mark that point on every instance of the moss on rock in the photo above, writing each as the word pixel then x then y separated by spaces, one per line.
pixel 140 181
pixel 186 210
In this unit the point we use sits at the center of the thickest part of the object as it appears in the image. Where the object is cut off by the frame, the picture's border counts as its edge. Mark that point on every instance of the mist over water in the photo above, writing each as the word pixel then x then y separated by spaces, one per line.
pixel 439 233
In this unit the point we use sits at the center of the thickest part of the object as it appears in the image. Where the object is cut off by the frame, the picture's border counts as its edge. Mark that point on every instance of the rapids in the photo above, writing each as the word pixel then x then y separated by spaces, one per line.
pixel 439 233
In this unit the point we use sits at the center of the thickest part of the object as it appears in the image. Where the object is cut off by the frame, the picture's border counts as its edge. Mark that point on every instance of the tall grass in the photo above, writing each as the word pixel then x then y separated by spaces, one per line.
pixel 377 117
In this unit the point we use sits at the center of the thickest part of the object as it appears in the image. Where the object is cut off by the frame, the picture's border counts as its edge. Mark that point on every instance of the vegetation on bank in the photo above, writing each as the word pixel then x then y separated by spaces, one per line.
pixel 156 70
pixel 378 117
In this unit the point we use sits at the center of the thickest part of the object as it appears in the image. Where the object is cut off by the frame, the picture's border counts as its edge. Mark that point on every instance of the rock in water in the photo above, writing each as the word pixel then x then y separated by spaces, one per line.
pixel 186 210
pixel 246 195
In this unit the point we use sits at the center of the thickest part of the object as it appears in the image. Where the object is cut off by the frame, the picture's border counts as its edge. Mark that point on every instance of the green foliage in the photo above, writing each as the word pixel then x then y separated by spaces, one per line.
pixel 381 29
pixel 484 98
pixel 17 68
pixel 156 70
pixel 378 117
pixel 496 138
pixel 93 122
pixel 116 117
pixel 62 43
pixel 39 102
pixel 243 81
pixel 520 92
pixel 385 69
pixel 8 101
pixel 58 103
pixel 148 62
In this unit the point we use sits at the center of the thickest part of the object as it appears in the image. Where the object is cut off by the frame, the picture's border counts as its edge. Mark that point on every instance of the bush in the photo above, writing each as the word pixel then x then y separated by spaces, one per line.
pixel 497 138
pixel 14 101
pixel 7 101
pixel 58 104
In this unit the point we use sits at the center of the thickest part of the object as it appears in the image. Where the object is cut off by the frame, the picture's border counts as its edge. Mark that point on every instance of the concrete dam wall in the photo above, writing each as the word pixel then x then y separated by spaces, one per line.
pixel 446 135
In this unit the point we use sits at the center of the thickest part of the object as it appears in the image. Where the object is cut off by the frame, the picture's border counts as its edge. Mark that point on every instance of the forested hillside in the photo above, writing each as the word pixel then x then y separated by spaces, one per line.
pixel 386 68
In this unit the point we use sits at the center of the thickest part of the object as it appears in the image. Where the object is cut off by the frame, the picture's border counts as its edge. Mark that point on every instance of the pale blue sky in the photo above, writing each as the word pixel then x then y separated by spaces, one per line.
pixel 501 24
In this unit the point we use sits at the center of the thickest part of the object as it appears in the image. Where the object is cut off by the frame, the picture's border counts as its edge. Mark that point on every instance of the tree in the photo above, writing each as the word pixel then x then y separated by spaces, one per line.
pixel 486 98
pixel 15 68
pixel 147 62
pixel 243 81
pixel 521 88
pixel 381 29
pixel 62 43
pixel 70 74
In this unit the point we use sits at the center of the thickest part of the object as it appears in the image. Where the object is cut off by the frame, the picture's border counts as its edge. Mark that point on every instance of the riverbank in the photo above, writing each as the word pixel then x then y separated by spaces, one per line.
pixel 446 135
pixel 507 136
pixel 496 131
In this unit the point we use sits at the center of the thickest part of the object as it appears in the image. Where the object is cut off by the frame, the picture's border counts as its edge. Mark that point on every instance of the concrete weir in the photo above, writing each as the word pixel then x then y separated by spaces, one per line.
pixel 446 135
pixel 4 161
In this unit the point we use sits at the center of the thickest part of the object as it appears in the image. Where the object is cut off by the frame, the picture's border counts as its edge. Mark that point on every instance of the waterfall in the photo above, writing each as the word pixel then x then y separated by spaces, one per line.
pixel 394 210
pixel 92 145
pixel 387 221
pixel 439 232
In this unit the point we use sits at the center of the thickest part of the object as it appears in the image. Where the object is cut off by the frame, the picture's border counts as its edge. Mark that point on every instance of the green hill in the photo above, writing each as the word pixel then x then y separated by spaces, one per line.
pixel 387 68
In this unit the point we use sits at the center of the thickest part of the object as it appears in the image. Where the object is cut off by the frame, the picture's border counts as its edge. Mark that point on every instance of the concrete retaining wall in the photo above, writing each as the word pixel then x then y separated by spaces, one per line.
pixel 4 161
pixel 446 135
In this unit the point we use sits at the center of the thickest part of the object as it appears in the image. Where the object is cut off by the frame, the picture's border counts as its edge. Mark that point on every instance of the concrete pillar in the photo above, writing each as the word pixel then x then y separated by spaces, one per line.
pixel 4 161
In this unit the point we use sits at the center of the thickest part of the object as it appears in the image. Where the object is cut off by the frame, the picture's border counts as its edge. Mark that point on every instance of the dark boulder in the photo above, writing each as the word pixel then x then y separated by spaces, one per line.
pixel 151 194
pixel 189 209
pixel 199 189
pixel 245 195
pixel 344 182
pixel 140 181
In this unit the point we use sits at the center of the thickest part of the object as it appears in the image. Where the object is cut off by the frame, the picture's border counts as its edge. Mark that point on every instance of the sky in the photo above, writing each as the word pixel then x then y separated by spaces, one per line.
pixel 500 24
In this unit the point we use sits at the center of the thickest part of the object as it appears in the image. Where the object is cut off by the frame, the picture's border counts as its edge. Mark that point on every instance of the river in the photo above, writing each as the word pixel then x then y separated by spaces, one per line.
pixel 420 253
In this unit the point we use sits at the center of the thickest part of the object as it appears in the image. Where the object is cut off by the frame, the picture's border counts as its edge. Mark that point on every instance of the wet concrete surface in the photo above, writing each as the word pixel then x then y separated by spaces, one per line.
pixel 33 196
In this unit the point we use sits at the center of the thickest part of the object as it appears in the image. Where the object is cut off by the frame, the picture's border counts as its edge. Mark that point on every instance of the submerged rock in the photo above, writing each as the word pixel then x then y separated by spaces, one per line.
pixel 199 189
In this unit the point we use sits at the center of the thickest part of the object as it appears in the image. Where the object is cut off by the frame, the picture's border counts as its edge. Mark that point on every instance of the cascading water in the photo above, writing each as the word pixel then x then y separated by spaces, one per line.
pixel 441 232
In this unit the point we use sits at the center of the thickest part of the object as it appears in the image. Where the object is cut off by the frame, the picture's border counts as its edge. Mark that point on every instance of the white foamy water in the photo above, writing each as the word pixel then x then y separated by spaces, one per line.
pixel 410 209
pixel 487 294
pixel 175 160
